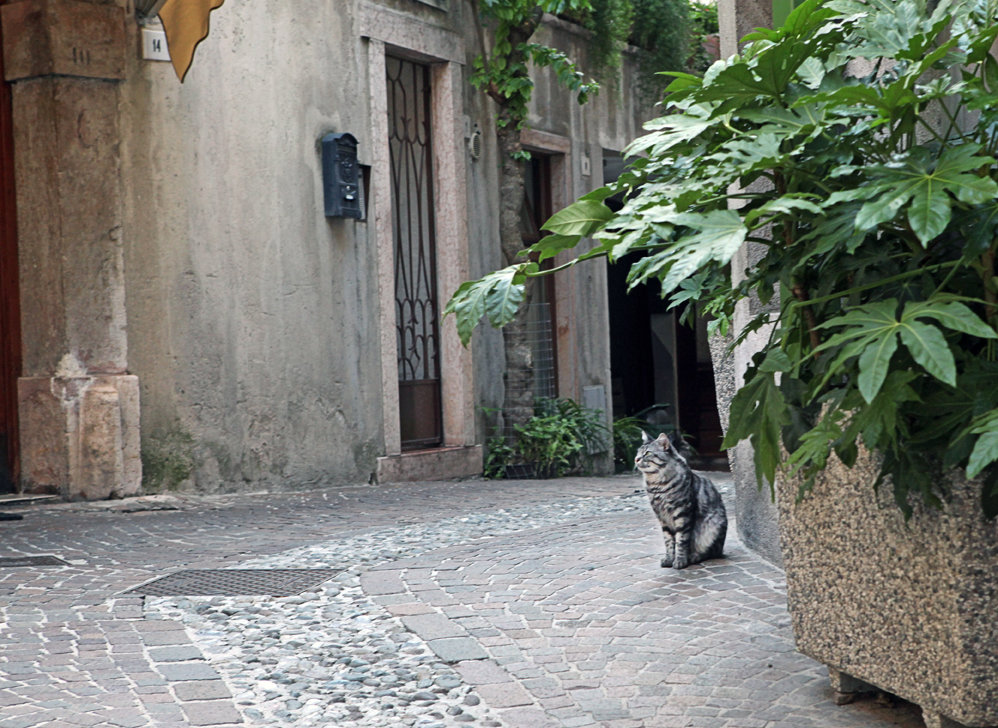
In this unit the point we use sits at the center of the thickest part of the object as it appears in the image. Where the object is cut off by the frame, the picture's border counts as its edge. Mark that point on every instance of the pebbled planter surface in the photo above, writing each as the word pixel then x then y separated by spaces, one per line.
pixel 911 609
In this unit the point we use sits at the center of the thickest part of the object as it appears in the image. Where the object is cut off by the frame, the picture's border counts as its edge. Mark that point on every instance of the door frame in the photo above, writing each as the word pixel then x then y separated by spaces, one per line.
pixel 10 298
pixel 420 420
pixel 390 32
pixel 558 149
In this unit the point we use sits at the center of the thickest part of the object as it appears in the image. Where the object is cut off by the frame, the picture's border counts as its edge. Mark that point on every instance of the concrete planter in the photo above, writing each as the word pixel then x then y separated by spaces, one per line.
pixel 910 609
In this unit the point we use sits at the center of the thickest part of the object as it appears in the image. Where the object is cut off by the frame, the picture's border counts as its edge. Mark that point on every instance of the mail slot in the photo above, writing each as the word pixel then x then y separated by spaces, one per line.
pixel 341 176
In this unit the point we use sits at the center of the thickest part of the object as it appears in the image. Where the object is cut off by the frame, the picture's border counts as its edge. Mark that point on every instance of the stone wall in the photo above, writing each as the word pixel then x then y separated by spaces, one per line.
pixel 78 404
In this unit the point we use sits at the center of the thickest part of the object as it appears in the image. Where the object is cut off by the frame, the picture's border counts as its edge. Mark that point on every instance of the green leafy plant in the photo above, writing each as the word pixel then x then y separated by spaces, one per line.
pixel 626 441
pixel 546 443
pixel 668 35
pixel 703 25
pixel 856 146
pixel 610 22
pixel 499 456
pixel 661 33
pixel 561 437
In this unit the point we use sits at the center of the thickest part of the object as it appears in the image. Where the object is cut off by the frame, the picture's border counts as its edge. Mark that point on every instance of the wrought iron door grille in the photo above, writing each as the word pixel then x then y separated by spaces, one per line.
pixel 416 304
pixel 235 582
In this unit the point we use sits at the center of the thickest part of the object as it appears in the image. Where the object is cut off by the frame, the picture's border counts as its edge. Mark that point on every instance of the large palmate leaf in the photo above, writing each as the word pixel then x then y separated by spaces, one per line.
pixel 951 314
pixel 928 347
pixel 885 100
pixel 758 412
pixel 874 363
pixel 669 131
pixel 927 187
pixel 496 296
pixel 985 449
pixel 768 74
pixel 583 217
pixel 712 237
pixel 872 333
pixel 762 151
pixel 786 205
pixel 551 245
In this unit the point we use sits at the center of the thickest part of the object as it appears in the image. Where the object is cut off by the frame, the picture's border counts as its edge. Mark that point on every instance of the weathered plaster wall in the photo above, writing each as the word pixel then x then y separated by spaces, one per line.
pixel 252 318
pixel 485 255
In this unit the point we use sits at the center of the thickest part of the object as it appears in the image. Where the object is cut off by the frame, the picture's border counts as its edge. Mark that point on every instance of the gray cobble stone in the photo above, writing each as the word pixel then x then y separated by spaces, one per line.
pixel 553 587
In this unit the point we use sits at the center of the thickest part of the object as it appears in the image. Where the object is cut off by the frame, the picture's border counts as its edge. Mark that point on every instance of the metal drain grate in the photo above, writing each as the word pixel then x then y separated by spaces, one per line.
pixel 235 582
pixel 46 560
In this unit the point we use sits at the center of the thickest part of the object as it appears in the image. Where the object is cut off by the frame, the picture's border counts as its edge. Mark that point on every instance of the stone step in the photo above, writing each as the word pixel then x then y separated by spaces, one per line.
pixel 25 499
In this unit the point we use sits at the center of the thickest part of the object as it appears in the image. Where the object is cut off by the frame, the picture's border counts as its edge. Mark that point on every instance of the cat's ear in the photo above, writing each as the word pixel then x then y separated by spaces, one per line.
pixel 663 440
pixel 644 438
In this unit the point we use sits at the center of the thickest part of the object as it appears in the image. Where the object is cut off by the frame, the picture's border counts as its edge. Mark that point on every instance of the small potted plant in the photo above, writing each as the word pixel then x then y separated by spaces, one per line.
pixel 856 148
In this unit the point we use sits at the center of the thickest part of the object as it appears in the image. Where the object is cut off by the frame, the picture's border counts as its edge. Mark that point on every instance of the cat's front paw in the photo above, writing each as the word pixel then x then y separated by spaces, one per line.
pixel 680 562
pixel 666 562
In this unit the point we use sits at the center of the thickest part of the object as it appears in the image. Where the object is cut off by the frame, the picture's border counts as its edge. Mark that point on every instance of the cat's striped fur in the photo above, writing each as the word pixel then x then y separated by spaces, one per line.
pixel 687 504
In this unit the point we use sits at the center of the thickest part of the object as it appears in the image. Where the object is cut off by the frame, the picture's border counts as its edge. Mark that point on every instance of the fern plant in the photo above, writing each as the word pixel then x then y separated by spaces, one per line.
pixel 856 145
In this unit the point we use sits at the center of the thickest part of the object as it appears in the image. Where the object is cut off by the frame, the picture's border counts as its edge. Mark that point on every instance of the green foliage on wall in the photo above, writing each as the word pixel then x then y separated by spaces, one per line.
pixel 168 459
pixel 661 33
pixel 610 22
pixel 502 69
pixel 668 35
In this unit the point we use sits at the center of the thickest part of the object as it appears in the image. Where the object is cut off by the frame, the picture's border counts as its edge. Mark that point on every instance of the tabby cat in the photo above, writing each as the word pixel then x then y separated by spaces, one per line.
pixel 687 504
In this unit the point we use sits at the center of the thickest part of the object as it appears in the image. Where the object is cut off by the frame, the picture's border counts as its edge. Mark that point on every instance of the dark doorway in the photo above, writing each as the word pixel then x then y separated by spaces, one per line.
pixel 10 314
pixel 660 368
pixel 416 305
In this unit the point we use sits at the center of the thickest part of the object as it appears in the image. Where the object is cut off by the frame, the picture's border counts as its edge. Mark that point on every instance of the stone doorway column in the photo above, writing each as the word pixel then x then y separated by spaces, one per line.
pixel 78 406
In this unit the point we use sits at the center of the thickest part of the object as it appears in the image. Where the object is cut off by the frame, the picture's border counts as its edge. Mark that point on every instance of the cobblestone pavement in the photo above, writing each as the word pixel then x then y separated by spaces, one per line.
pixel 513 603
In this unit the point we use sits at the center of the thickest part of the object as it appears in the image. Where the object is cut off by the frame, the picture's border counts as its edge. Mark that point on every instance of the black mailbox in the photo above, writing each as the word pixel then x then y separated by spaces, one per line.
pixel 341 176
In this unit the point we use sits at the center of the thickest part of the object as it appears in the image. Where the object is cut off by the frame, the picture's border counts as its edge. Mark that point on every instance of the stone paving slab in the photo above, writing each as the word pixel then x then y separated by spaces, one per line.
pixel 568 626
pixel 582 627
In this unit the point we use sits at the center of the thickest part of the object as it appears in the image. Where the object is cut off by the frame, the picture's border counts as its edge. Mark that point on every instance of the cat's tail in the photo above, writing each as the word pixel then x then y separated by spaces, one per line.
pixel 716 550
